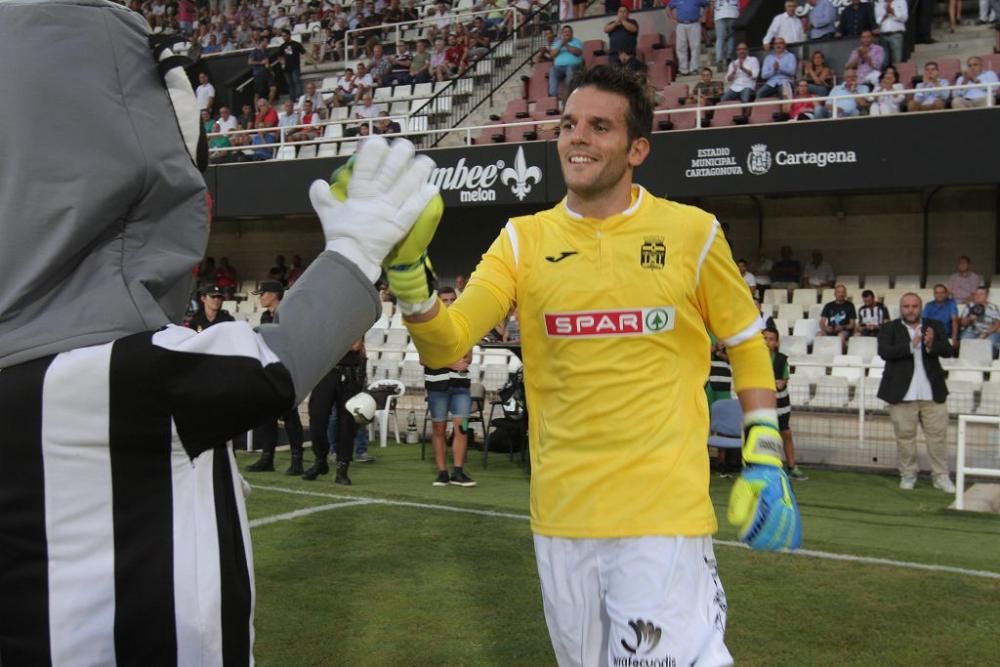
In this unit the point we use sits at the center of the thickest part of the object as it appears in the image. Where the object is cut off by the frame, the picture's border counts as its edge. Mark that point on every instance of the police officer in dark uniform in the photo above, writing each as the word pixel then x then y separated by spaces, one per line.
pixel 333 391
pixel 210 310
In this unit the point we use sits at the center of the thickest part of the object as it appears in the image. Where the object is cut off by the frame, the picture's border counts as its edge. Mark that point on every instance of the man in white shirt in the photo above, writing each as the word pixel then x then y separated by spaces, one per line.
pixel 817 273
pixel 741 77
pixel 205 93
pixel 891 15
pixel 973 97
pixel 311 95
pixel 787 26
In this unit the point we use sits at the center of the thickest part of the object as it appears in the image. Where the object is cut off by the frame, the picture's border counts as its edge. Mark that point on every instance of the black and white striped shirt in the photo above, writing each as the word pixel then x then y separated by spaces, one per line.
pixel 123 531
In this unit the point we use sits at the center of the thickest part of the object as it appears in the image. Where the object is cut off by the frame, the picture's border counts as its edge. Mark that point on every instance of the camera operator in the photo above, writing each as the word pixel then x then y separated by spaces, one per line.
pixel 981 319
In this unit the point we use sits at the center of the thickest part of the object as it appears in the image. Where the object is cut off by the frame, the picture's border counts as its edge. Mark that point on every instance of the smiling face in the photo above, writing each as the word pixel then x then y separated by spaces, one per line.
pixel 779 45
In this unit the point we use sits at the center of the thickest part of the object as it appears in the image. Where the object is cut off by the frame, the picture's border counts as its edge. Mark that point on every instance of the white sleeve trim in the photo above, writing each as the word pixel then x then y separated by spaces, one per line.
pixel 745 335
pixel 704 251
pixel 226 339
pixel 512 235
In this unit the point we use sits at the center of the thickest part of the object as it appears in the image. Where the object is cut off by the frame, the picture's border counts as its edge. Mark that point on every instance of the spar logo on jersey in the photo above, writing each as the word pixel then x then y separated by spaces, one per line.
pixel 603 323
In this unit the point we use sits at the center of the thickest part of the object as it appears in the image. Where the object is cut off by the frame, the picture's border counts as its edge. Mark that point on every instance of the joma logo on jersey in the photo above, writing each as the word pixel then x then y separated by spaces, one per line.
pixel 653 253
pixel 600 323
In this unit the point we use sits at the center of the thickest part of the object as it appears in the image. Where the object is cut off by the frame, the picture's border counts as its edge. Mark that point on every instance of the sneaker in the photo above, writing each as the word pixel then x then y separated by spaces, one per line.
pixel 461 479
pixel 907 482
pixel 364 458
pixel 442 479
pixel 796 474
pixel 944 483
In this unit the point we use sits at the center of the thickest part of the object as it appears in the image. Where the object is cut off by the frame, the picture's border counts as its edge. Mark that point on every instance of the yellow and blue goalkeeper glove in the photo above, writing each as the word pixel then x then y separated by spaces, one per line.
pixel 762 505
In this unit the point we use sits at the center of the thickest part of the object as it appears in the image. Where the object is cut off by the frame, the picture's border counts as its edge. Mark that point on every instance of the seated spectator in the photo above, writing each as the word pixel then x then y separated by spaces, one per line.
pixel 211 46
pixel 943 309
pixel 393 13
pixel 287 120
pixel 786 272
pixel 205 93
pixel 364 82
pixel 543 55
pixel 456 55
pixel 973 97
pixel 762 269
pixel 627 60
pixel 247 117
pixel 567 58
pixel 420 64
pixel 207 122
pixel 266 119
pixel 885 105
pixel 724 15
pixel 346 89
pixel 891 15
pixel 932 100
pixel 848 102
pixel 778 70
pixel 399 74
pixel 981 319
pixel 867 59
pixel 963 283
pixel 500 17
pixel 623 33
pixel 310 120
pixel 380 66
pixel 217 143
pixel 871 315
pixel 385 125
pixel 410 11
pixel 818 76
pixel 855 18
pixel 804 109
pixel 822 19
pixel 786 26
pixel 228 125
pixel 838 317
pixel 481 38
pixel 295 271
pixel 311 95
pixel 748 276
pixel 439 70
pixel 741 76
pixel 706 91
pixel 367 109
pixel 817 273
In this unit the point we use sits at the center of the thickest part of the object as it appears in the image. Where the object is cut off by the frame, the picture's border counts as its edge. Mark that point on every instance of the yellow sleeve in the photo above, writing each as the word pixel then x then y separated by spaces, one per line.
pixel 485 301
pixel 728 311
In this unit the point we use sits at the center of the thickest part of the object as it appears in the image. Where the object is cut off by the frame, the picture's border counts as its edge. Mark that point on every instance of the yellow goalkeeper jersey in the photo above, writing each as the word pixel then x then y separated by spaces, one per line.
pixel 613 317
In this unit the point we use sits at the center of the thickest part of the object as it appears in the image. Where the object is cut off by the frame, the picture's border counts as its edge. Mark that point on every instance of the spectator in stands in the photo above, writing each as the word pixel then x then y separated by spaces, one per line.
pixel 867 59
pixel 310 121
pixel 263 79
pixel 420 65
pixel 312 95
pixel 481 38
pixel 688 17
pixel 393 13
pixel 779 364
pixel 748 276
pixel 185 16
pixel 217 143
pixel 212 45
pixel 281 21
pixel 567 58
pixel 206 121
pixel 228 124
pixel 210 310
pixel 380 66
pixel 724 15
pixel 627 60
pixel 885 105
pixel 932 100
pixel 762 269
pixel 623 33
pixel 439 70
pixel 266 119
pixel 295 271
pixel 847 97
pixel 786 26
pixel 989 12
pixel 963 283
pixel 399 74
pixel 741 76
pixel 410 11
pixel 819 77
pixel 786 272
pixel 499 17
pixel 973 97
pixel 855 18
pixel 367 110
pixel 456 55
pixel 543 53
pixel 805 109
pixel 891 16
pixel 778 71
pixel 822 19
pixel 871 315
pixel 385 125
pixel 291 53
pixel 279 271
pixel 346 89
pixel 706 91
pixel 287 117
pixel 579 8
pixel 913 385
pixel 838 317
pixel 944 310
pixel 981 319
pixel 363 81
pixel 817 273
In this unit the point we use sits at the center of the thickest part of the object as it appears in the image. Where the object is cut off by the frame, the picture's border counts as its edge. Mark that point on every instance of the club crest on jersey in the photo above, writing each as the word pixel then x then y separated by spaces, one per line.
pixel 653 253
pixel 603 323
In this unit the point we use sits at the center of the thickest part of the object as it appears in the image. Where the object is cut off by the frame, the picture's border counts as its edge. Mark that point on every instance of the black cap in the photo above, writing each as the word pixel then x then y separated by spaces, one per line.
pixel 210 289
pixel 270 286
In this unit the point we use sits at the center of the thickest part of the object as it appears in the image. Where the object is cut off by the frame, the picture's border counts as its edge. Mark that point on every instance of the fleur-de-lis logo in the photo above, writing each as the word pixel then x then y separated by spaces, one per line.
pixel 521 178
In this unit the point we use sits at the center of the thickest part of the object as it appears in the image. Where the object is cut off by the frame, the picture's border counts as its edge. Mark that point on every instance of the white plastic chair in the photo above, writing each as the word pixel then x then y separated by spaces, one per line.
pixel 865 347
pixel 793 346
pixel 961 399
pixel 831 392
pixel 389 409
pixel 826 347
pixel 977 350
pixel 806 329
pixel 807 296
pixel 848 366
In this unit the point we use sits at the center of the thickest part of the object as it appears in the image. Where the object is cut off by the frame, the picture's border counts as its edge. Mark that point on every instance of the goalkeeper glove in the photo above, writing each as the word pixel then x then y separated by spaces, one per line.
pixel 374 201
pixel 762 505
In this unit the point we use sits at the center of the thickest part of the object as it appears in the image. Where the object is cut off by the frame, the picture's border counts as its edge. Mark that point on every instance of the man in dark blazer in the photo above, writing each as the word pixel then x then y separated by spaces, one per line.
pixel 913 386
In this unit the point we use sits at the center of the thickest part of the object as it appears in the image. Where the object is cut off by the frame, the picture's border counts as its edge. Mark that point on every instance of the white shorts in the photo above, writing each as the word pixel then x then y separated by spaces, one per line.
pixel 633 602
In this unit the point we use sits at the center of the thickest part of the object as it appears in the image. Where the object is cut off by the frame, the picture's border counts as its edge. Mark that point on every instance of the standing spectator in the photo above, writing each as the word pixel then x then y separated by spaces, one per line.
pixel 818 76
pixel 205 93
pixel 420 65
pixel 988 13
pixel 963 283
pixel 855 18
pixel 838 317
pixel 867 59
pixel 871 315
pixel 822 19
pixel 779 364
pixel 973 97
pixel 778 71
pixel 210 310
pixel 805 109
pixel 263 79
pixel 786 26
pixel 913 386
pixel 623 33
pixel 925 17
pixel 741 76
pixel 185 16
pixel 932 100
pixel 885 105
pixel 332 393
pixel 848 96
pixel 724 15
pixel 265 436
pixel 687 15
pixel 291 53
pixel 786 272
pixel 567 57
pixel 891 16
pixel 817 273
pixel 944 310
pixel 579 8
pixel 981 319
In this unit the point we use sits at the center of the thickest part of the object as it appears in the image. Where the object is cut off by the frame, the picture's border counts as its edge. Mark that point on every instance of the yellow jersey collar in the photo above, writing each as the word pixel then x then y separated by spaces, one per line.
pixel 638 196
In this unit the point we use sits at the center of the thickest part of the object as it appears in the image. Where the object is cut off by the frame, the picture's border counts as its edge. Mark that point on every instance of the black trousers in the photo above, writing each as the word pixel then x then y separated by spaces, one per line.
pixel 331 393
pixel 265 436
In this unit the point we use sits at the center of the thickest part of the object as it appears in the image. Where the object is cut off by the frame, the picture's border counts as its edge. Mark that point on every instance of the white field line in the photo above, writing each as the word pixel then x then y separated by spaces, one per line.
pixel 807 553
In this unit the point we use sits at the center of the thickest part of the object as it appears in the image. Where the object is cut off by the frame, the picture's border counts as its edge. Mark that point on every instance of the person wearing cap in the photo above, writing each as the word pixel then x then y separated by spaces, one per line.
pixel 210 310
pixel 266 435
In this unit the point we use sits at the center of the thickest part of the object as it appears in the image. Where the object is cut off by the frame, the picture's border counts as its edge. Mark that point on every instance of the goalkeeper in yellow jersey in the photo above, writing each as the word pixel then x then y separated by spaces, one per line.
pixel 617 290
